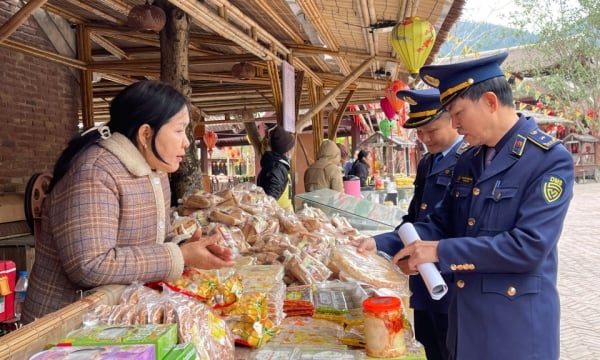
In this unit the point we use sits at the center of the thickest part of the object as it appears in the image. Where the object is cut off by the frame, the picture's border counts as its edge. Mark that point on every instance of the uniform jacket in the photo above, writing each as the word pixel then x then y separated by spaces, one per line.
pixel 325 173
pixel 274 174
pixel 499 230
pixel 430 187
pixel 105 222
pixel 361 170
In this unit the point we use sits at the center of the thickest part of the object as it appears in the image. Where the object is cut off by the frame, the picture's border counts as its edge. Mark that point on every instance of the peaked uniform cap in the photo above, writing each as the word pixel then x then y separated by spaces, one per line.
pixel 453 79
pixel 424 105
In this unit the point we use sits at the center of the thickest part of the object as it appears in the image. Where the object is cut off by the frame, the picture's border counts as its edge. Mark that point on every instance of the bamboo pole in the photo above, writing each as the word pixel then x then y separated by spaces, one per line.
pixel 335 123
pixel 43 54
pixel 332 94
pixel 11 25
pixel 84 51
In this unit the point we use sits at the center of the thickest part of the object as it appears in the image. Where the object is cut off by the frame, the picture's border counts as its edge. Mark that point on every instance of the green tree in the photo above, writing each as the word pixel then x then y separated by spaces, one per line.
pixel 565 56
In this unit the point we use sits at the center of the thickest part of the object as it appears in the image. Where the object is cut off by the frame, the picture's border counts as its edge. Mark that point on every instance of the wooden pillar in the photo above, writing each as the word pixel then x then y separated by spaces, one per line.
pixel 174 69
pixel 84 45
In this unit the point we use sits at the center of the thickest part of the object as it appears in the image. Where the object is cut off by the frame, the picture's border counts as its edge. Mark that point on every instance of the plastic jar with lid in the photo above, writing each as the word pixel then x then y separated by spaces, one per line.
pixel 384 324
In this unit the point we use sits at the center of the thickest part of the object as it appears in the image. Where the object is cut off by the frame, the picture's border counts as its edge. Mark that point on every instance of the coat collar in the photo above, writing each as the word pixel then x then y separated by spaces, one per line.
pixel 127 153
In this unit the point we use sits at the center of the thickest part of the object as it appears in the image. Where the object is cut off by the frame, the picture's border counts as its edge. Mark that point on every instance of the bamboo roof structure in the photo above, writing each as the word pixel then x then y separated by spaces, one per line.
pixel 341 47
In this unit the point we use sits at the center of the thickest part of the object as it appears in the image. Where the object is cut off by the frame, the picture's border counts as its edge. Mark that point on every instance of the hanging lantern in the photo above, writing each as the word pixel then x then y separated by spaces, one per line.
pixel 146 18
pixel 199 131
pixel 210 140
pixel 387 108
pixel 385 126
pixel 243 71
pixel 413 40
pixel 390 93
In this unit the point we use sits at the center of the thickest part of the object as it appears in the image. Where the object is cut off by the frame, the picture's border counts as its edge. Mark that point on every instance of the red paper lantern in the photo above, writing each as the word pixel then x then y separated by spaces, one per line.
pixel 210 139
pixel 387 108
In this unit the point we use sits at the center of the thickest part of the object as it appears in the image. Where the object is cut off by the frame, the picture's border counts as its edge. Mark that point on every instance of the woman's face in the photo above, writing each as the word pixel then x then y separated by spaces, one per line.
pixel 171 143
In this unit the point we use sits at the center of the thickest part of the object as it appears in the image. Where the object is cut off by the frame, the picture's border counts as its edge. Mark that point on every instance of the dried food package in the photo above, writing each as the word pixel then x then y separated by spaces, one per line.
pixel 368 268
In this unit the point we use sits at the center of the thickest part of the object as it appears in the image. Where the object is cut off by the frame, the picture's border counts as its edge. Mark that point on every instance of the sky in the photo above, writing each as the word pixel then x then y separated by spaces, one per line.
pixel 491 11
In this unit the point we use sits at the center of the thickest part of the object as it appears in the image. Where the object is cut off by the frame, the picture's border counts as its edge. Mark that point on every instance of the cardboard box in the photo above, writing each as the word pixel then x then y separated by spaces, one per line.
pixel 182 352
pixel 8 274
pixel 163 337
pixel 107 352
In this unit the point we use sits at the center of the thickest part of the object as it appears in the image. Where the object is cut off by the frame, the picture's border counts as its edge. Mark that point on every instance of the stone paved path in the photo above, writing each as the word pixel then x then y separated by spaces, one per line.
pixel 579 276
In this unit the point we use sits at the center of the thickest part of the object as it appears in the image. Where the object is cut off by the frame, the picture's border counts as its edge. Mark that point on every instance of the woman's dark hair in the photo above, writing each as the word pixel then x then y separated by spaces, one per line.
pixel 498 85
pixel 362 154
pixel 145 102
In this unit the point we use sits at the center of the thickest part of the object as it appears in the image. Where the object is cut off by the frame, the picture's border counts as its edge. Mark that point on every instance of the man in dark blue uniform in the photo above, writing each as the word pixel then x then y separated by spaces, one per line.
pixel 496 230
pixel 434 173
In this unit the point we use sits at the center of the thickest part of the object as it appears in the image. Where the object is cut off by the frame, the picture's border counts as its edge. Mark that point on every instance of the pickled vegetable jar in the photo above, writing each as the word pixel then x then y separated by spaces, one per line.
pixel 384 333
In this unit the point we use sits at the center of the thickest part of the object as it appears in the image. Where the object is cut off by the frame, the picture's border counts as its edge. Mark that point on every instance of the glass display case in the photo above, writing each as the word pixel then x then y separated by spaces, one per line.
pixel 363 215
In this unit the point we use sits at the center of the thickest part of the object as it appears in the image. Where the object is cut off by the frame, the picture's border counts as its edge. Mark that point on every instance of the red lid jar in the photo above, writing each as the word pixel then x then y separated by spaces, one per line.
pixel 384 324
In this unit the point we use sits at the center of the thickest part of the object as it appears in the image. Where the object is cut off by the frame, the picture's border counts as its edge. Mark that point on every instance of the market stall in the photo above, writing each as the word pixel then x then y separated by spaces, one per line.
pixel 583 149
pixel 395 153
pixel 297 290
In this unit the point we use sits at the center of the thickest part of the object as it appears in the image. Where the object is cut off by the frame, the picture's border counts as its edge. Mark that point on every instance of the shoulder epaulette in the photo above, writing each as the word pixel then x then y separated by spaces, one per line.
pixel 542 139
pixel 464 146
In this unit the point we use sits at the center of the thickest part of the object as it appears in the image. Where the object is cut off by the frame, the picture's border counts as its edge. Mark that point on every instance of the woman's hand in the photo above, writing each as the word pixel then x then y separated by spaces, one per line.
pixel 204 252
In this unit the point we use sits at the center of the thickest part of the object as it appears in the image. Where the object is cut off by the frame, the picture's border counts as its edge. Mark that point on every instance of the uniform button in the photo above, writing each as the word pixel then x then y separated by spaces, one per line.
pixel 423 206
pixel 453 267
pixel 460 284
pixel 471 221
pixel 460 267
pixel 161 224
pixel 498 196
pixel 456 194
pixel 156 180
pixel 476 191
pixel 511 291
pixel 465 266
pixel 471 266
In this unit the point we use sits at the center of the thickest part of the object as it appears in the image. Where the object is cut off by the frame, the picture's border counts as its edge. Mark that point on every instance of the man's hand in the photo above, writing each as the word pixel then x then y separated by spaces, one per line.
pixel 415 254
pixel 365 245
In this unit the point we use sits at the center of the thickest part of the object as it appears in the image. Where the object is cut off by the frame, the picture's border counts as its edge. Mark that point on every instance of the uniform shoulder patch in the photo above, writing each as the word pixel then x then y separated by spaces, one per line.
pixel 552 187
pixel 542 139
pixel 464 146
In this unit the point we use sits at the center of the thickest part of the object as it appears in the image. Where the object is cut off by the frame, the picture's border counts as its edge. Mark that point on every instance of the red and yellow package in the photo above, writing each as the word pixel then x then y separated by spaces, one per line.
pixel 195 283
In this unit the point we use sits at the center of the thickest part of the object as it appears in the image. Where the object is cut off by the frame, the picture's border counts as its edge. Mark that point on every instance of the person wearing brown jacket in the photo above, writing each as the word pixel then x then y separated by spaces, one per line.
pixel 105 219
pixel 326 172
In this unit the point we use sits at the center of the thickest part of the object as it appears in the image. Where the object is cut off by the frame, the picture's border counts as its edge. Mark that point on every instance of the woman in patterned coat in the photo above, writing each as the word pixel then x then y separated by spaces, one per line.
pixel 106 217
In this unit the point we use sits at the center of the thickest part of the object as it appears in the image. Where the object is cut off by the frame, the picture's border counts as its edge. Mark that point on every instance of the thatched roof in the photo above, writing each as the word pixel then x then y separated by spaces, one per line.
pixel 329 41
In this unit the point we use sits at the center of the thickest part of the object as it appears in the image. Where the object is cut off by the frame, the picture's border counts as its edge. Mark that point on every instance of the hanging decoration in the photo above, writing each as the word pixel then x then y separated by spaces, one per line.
pixel 210 140
pixel 146 17
pixel 243 71
pixel 390 93
pixel 385 125
pixel 413 40
pixel 387 108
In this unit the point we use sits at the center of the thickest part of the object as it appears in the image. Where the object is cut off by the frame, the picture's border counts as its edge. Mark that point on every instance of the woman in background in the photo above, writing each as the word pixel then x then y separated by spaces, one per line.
pixel 361 167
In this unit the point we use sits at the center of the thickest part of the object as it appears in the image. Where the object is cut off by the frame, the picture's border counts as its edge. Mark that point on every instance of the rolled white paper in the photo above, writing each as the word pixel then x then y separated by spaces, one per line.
pixel 433 280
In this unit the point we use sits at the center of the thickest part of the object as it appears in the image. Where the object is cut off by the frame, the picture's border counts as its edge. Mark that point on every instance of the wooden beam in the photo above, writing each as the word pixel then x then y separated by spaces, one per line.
pixel 335 122
pixel 306 119
pixel 43 54
pixel 207 17
pixel 277 91
pixel 11 25
pixel 91 9
pixel 108 46
pixel 84 51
